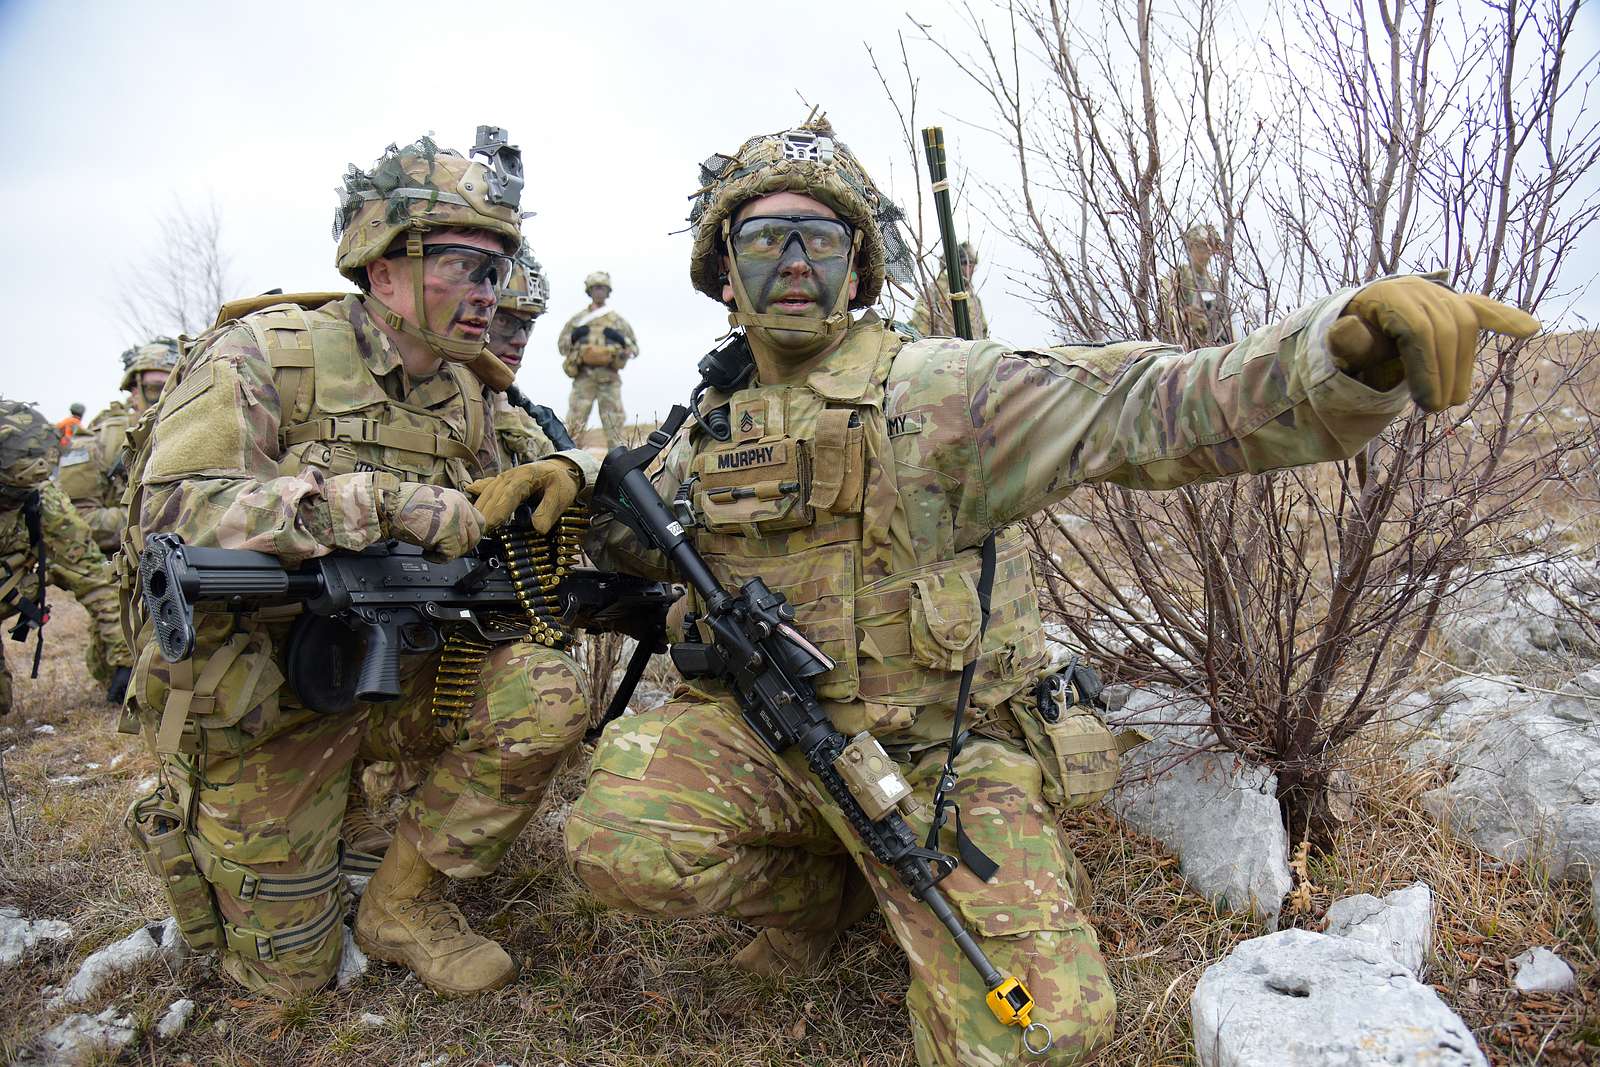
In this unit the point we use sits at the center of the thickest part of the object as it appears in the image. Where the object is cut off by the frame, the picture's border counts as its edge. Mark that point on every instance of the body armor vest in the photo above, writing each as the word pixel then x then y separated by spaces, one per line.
pixel 806 495
pixel 336 417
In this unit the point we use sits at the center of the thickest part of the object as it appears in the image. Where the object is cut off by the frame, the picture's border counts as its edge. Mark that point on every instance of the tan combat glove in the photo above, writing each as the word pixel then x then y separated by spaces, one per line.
pixel 1419 332
pixel 554 483
pixel 432 517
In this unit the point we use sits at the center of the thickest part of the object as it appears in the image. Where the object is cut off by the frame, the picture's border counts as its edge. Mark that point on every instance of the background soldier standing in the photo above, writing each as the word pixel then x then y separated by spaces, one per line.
pixel 36 519
pixel 92 472
pixel 932 316
pixel 1191 297
pixel 70 425
pixel 595 344
pixel 298 430
pixel 872 482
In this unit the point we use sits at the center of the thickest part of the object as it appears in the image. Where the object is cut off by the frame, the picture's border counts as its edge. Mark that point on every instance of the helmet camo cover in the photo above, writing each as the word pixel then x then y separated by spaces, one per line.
pixel 29 446
pixel 424 187
pixel 809 159
pixel 160 353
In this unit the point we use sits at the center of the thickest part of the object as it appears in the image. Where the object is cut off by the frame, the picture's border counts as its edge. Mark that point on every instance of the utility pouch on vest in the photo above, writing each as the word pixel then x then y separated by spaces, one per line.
pixel 155 822
pixel 1062 728
pixel 596 356
pixel 756 487
pixel 945 617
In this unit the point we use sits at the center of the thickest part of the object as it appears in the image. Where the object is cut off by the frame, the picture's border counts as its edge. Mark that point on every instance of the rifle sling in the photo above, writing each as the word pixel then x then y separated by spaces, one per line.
pixel 974 857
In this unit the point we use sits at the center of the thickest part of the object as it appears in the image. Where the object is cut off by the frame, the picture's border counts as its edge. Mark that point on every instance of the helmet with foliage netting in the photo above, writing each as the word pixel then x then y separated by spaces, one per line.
pixel 528 290
pixel 424 187
pixel 29 446
pixel 811 160
pixel 160 353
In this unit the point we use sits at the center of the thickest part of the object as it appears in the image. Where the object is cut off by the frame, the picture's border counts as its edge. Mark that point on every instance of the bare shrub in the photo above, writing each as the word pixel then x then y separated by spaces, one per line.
pixel 1348 143
pixel 180 284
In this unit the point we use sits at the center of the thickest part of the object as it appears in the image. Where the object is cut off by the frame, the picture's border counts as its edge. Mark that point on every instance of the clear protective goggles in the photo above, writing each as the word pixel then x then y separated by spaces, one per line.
pixel 508 326
pixel 765 237
pixel 464 265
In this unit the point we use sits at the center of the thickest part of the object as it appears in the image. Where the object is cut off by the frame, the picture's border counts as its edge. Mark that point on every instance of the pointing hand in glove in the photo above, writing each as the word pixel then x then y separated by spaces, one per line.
pixel 553 483
pixel 1419 332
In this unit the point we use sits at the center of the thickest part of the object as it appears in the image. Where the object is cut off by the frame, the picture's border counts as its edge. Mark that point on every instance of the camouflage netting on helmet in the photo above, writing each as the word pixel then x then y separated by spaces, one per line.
pixel 422 187
pixel 528 290
pixel 29 447
pixel 810 160
pixel 160 353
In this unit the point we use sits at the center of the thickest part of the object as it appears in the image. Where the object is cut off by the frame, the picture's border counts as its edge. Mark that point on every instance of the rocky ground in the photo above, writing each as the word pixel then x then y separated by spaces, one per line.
pixel 601 988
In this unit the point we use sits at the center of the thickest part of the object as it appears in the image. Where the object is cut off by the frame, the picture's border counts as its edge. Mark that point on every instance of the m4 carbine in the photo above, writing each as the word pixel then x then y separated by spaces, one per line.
pixel 386 600
pixel 756 651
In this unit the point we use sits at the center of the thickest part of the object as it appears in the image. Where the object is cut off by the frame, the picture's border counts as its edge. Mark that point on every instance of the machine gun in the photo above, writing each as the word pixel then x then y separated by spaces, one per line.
pixel 381 602
pixel 755 649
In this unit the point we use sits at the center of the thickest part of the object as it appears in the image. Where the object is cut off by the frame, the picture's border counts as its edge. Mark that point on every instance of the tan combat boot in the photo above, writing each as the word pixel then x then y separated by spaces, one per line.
pixel 404 919
pixel 365 839
pixel 774 952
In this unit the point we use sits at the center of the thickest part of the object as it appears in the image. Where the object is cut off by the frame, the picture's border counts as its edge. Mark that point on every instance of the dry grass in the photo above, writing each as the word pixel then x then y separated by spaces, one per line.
pixel 602 988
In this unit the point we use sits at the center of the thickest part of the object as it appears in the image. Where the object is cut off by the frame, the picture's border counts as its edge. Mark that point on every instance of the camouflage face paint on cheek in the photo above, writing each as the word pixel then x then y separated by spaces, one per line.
pixel 767 282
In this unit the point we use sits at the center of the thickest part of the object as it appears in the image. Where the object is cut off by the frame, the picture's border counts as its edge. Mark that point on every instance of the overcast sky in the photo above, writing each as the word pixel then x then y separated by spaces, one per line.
pixel 114 113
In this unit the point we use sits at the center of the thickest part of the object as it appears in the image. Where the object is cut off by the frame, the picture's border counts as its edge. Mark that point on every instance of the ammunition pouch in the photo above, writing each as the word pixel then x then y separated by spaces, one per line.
pixel 155 823
pixel 191 872
pixel 597 356
pixel 323 662
pixel 1061 726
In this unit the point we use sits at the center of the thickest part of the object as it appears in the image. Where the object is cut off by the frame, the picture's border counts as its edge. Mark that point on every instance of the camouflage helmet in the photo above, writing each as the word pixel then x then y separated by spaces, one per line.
pixel 809 160
pixel 528 291
pixel 424 187
pixel 158 354
pixel 599 277
pixel 967 252
pixel 29 446
pixel 1202 233
pixel 77 410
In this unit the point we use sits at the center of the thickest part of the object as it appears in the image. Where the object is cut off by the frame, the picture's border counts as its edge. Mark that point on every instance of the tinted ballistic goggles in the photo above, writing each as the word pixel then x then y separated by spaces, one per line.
pixel 506 326
pixel 463 265
pixel 767 236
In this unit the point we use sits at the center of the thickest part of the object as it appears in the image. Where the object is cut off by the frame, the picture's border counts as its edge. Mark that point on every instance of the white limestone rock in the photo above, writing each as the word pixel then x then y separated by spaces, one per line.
pixel 155 941
pixel 18 935
pixel 80 1039
pixel 1217 813
pixel 353 963
pixel 1525 773
pixel 1301 999
pixel 1399 923
pixel 1515 619
pixel 176 1018
pixel 1541 971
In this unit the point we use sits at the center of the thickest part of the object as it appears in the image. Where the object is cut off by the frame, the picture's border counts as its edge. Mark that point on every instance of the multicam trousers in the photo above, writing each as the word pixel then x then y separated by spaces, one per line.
pixel 687 812
pixel 605 385
pixel 275 810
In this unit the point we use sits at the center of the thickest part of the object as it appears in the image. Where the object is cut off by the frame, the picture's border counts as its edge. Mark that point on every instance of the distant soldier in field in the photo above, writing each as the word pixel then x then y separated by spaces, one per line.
pixel 44 542
pixel 932 316
pixel 71 424
pixel 91 471
pixel 1191 296
pixel 595 345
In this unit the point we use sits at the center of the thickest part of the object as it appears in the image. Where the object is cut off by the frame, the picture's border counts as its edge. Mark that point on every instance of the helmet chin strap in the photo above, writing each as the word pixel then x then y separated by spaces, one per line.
pixel 788 339
pixel 456 350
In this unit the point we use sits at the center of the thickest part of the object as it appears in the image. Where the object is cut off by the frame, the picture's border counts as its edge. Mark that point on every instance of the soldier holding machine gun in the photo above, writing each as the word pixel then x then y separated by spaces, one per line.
pixel 335 423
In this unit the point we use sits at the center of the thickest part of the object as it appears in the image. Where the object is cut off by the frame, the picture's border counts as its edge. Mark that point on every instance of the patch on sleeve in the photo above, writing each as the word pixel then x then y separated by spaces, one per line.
pixel 909 422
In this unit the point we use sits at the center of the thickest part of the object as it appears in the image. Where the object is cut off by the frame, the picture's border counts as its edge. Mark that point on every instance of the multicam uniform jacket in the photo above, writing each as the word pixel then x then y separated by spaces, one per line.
pixel 592 350
pixel 878 478
pixel 932 316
